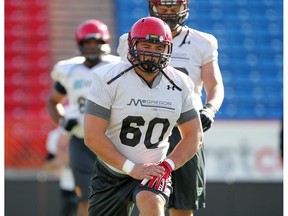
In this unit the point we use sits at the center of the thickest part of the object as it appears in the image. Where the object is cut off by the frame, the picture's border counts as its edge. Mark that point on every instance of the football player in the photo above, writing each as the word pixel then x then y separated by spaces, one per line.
pixel 72 83
pixel 130 114
pixel 195 54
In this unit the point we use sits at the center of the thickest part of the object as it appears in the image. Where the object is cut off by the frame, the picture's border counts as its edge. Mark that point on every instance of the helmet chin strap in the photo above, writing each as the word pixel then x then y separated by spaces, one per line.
pixel 122 73
pixel 148 67
pixel 170 80
pixel 136 65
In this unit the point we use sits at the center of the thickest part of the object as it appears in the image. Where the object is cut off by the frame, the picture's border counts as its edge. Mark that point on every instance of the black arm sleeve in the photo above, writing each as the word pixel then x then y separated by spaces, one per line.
pixel 60 88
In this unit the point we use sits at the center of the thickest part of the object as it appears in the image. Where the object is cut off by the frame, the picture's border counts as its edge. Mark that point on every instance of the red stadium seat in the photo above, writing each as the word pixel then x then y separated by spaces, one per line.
pixel 27 80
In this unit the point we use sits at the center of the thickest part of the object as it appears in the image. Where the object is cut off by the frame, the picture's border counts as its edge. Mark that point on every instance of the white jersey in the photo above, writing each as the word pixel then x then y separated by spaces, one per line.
pixel 142 118
pixel 199 48
pixel 75 77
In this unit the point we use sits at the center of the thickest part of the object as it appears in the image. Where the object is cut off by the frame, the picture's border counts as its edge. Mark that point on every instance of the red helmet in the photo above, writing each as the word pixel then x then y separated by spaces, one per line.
pixel 152 30
pixel 92 29
pixel 171 19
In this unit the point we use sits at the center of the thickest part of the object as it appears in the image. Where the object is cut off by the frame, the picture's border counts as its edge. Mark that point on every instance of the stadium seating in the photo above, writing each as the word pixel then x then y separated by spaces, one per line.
pixel 38 33
pixel 27 67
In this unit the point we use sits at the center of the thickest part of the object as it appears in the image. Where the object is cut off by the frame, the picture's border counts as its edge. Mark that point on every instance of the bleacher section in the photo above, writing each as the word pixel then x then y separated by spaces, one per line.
pixel 27 66
pixel 38 33
pixel 250 38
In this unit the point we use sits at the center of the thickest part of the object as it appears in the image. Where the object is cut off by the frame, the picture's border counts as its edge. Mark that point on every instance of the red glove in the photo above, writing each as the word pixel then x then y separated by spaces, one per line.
pixel 160 183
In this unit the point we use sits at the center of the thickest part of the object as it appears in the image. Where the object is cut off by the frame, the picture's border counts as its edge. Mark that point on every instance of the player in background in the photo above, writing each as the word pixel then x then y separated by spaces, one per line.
pixel 195 54
pixel 130 114
pixel 72 80
pixel 58 161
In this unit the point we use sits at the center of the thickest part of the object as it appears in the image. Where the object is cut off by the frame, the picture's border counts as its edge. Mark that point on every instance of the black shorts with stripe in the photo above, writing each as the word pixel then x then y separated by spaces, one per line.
pixel 114 193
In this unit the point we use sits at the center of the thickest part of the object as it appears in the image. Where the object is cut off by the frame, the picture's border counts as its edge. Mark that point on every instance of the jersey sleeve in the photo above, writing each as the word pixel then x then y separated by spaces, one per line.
pixel 210 49
pixel 57 73
pixel 61 69
pixel 100 92
pixel 122 48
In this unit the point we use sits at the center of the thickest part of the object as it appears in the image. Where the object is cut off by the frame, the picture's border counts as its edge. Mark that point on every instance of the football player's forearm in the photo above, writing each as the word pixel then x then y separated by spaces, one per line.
pixel 53 111
pixel 106 151
pixel 184 151
pixel 189 144
pixel 215 96
pixel 99 143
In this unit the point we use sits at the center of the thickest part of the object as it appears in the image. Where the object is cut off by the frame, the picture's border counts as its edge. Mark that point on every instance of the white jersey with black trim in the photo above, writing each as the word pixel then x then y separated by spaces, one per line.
pixel 142 118
pixel 191 50
pixel 75 77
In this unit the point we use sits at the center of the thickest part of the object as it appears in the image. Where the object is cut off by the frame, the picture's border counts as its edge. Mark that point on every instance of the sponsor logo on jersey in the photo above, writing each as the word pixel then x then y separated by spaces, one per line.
pixel 180 55
pixel 151 103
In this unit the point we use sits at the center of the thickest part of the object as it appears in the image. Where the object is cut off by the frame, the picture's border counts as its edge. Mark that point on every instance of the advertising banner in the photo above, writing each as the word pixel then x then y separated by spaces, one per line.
pixel 243 151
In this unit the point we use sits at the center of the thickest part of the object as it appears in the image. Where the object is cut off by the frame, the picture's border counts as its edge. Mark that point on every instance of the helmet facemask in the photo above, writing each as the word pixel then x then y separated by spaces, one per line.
pixel 172 19
pixel 146 35
pixel 93 53
pixel 149 62
pixel 92 37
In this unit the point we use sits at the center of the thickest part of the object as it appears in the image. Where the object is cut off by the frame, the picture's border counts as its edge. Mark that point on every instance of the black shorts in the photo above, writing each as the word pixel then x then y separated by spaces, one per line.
pixel 68 203
pixel 189 181
pixel 82 160
pixel 114 193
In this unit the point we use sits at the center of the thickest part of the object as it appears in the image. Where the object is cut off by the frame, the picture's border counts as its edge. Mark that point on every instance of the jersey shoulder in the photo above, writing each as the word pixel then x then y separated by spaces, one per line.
pixel 110 59
pixel 70 62
pixel 123 37
pixel 203 37
pixel 109 71
pixel 122 48
pixel 62 68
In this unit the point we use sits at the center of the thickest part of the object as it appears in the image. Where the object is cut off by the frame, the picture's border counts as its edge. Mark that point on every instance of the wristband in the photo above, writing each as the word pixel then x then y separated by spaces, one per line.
pixel 128 166
pixel 211 107
pixel 171 163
